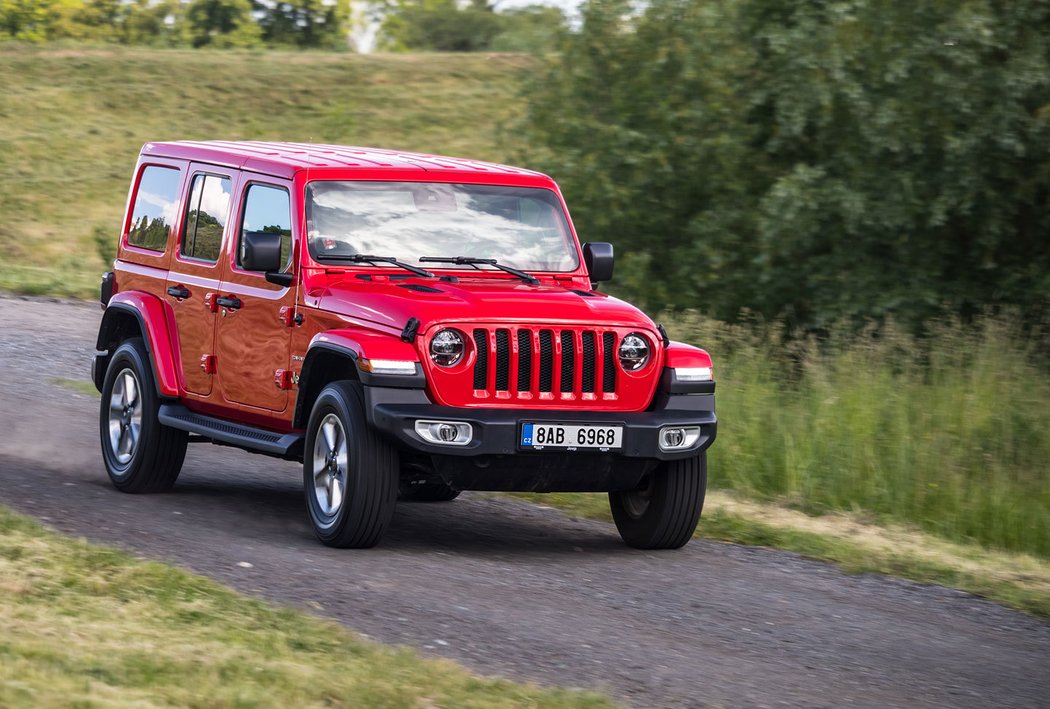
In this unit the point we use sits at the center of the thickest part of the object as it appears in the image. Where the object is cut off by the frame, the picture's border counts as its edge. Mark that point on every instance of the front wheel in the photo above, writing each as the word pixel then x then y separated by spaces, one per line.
pixel 664 511
pixel 350 474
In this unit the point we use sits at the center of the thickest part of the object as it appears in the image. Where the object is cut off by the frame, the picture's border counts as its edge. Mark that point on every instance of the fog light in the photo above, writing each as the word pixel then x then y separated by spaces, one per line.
pixel 674 438
pixel 445 433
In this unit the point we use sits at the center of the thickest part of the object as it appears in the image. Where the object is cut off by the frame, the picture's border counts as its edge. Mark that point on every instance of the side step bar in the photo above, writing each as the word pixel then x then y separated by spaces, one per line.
pixel 286 445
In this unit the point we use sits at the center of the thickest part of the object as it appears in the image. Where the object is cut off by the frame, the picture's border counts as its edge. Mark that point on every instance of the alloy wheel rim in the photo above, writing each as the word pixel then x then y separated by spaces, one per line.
pixel 125 416
pixel 330 467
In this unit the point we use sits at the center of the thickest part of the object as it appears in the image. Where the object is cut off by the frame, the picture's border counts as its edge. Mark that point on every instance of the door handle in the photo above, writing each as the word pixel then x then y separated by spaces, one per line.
pixel 231 302
pixel 180 292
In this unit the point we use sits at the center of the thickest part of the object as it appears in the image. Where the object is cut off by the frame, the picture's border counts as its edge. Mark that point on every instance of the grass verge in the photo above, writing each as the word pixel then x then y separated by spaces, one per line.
pixel 857 545
pixel 85 625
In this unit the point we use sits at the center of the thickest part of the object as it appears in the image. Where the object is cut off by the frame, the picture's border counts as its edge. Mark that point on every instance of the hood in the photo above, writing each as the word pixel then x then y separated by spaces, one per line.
pixel 392 302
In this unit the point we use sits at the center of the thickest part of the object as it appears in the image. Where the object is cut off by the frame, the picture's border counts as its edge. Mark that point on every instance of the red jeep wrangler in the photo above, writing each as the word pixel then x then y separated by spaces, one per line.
pixel 405 325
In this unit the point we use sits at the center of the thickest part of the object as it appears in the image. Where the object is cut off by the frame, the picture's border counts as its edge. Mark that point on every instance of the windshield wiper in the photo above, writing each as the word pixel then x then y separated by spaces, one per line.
pixel 368 258
pixel 472 261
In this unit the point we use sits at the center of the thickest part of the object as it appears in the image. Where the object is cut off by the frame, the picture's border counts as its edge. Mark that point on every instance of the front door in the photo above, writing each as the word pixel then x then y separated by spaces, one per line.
pixel 193 278
pixel 255 322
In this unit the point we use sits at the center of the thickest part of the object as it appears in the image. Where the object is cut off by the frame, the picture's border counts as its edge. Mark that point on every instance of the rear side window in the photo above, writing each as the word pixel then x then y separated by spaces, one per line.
pixel 206 217
pixel 269 209
pixel 156 205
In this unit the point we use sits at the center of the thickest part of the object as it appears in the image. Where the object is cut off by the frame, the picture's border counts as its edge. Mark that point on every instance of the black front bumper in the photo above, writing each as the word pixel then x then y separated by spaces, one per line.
pixel 498 431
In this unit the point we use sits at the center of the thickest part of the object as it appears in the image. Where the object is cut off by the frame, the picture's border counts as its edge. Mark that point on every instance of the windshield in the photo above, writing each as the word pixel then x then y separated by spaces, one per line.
pixel 523 227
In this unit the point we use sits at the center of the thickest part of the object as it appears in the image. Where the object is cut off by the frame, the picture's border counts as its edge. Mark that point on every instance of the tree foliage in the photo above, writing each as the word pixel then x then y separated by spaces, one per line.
pixel 813 160
pixel 451 26
pixel 303 23
pixel 198 23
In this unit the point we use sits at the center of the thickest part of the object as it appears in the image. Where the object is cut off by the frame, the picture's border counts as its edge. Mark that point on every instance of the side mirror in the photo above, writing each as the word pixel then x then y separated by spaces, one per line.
pixel 598 257
pixel 261 251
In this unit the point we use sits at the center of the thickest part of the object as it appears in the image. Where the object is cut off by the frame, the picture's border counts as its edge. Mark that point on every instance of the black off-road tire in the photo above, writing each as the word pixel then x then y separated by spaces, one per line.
pixel 368 471
pixel 663 514
pixel 154 460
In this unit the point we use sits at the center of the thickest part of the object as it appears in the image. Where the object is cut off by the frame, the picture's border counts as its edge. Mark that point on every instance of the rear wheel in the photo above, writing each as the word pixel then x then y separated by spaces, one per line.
pixel 350 474
pixel 140 453
pixel 664 512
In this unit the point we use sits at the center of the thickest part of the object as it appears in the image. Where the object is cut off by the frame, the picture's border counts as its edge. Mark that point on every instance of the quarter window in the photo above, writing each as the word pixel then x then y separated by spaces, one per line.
pixel 156 207
pixel 268 209
pixel 206 217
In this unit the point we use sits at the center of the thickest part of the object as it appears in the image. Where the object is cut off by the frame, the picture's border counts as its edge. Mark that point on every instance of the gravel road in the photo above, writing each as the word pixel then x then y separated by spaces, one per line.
pixel 509 588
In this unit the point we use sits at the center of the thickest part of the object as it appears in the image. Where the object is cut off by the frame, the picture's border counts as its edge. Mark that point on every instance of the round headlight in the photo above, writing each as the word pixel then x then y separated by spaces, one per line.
pixel 634 352
pixel 446 348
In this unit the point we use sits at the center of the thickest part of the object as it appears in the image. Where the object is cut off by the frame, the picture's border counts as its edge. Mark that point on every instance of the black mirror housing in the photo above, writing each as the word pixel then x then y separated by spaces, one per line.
pixel 598 257
pixel 261 251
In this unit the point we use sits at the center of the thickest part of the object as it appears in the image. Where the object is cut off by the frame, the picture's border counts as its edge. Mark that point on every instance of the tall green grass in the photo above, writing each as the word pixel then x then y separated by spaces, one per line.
pixel 950 432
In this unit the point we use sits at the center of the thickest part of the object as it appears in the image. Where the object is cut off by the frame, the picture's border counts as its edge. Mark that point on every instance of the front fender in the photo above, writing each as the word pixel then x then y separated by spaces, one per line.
pixel 338 354
pixel 155 324
pixel 681 355
pixel 366 344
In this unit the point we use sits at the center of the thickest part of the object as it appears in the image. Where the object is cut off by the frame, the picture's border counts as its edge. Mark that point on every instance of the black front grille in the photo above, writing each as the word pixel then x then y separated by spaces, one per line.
pixel 589 352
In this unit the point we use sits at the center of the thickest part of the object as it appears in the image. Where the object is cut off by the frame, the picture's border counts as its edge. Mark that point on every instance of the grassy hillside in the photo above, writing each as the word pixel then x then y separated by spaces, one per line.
pixel 72 122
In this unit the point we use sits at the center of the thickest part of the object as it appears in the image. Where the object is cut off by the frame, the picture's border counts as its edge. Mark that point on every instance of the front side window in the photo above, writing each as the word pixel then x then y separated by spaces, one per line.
pixel 206 217
pixel 268 209
pixel 156 207
pixel 523 227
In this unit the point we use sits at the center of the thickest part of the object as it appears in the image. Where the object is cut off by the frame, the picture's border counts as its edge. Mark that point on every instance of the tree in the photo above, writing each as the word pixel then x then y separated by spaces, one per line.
pixel 439 25
pixel 34 20
pixel 639 117
pixel 810 160
pixel 222 23
pixel 534 29
pixel 303 23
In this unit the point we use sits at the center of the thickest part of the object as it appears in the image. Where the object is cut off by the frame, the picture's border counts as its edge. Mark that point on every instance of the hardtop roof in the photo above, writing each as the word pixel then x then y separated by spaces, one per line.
pixel 285 159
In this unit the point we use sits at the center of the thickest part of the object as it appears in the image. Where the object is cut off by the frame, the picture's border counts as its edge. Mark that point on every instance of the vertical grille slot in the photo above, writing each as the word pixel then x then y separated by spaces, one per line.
pixel 588 363
pixel 524 360
pixel 481 367
pixel 609 362
pixel 546 360
pixel 568 360
pixel 502 360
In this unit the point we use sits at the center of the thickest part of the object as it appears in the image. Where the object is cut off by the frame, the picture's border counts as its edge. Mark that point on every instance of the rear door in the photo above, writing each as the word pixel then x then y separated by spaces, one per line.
pixel 195 270
pixel 254 328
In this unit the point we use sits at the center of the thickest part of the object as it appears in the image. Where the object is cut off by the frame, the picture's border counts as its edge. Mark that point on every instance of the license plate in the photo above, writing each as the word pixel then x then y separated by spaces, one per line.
pixel 540 436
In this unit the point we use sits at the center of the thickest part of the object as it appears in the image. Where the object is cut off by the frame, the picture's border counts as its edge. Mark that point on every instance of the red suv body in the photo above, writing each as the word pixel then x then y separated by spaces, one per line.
pixel 408 326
